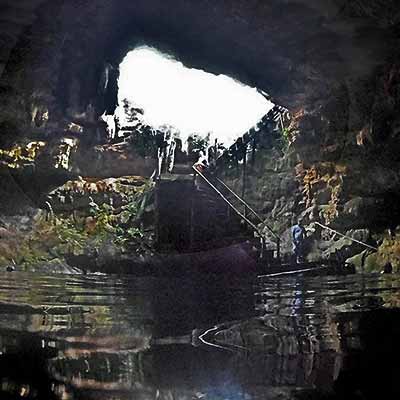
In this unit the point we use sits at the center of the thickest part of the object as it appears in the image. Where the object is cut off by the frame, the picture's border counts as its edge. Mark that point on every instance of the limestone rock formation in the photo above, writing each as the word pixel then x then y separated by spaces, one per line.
pixel 334 64
pixel 57 56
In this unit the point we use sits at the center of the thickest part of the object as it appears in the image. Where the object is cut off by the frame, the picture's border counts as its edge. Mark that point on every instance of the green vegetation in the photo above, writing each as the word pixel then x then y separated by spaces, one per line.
pixel 197 143
pixel 389 251
pixel 52 236
pixel 143 141
pixel 284 139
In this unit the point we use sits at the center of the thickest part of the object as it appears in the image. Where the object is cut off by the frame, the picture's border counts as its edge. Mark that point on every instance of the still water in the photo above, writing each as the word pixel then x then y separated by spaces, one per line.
pixel 109 337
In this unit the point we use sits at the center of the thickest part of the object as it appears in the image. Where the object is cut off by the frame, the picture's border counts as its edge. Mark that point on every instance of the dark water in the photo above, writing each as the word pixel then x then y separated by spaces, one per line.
pixel 97 337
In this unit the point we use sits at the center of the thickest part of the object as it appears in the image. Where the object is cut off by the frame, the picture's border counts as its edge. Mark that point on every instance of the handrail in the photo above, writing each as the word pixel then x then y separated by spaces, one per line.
pixel 346 236
pixel 248 206
pixel 255 228
pixel 226 200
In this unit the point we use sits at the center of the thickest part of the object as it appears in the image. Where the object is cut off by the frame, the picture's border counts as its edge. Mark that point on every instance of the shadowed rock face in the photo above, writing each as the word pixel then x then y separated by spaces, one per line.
pixel 54 54
pixel 334 63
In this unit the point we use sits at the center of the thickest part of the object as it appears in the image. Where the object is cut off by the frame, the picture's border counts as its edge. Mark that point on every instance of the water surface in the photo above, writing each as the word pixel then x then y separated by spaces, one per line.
pixel 109 337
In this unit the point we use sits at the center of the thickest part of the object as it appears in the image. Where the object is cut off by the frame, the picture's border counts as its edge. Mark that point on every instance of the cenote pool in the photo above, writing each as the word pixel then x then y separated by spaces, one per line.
pixel 119 337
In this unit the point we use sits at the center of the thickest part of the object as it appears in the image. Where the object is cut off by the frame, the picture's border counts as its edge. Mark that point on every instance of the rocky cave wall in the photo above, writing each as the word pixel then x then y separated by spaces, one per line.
pixel 333 63
pixel 337 163
pixel 62 53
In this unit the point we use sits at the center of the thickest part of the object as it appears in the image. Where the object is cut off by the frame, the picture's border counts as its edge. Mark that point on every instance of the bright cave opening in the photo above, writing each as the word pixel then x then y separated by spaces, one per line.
pixel 157 90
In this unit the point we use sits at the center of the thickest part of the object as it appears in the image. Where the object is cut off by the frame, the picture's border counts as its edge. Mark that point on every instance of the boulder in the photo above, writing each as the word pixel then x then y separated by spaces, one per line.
pixel 341 248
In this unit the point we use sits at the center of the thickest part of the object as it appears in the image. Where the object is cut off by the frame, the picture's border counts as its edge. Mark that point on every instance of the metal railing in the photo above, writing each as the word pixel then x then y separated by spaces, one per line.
pixel 241 215
pixel 248 207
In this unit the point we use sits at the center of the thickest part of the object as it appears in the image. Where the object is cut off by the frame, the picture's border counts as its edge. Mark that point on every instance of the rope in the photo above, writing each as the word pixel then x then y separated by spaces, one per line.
pixel 231 347
pixel 207 343
pixel 347 237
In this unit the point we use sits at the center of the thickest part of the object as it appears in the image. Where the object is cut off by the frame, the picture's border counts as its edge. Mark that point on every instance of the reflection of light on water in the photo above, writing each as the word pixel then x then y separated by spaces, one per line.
pixel 102 343
pixel 228 390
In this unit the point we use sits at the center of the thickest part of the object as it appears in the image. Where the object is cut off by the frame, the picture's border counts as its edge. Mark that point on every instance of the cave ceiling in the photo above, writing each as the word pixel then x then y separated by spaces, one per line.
pixel 293 49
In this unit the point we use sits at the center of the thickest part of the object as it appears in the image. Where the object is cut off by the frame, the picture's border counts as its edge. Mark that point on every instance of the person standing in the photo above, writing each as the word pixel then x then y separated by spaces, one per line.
pixel 298 234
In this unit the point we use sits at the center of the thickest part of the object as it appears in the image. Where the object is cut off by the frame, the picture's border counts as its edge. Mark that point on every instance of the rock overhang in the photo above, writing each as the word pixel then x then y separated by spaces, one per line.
pixel 292 49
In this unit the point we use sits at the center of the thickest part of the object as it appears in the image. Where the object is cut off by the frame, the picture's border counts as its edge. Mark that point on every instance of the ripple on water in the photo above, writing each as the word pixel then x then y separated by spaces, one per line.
pixel 112 337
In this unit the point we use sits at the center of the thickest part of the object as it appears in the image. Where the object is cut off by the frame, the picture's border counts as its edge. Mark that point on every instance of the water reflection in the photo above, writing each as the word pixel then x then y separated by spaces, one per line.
pixel 97 337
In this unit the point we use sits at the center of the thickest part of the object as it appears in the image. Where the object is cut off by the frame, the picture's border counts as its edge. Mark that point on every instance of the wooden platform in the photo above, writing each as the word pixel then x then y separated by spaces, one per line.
pixel 306 268
pixel 175 177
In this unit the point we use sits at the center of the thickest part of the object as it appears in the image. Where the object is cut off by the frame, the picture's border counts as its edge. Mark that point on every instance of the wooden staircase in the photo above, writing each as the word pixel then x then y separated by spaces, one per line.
pixel 198 212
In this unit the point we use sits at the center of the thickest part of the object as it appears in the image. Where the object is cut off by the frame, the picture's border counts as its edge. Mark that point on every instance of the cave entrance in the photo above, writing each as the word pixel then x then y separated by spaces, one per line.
pixel 159 91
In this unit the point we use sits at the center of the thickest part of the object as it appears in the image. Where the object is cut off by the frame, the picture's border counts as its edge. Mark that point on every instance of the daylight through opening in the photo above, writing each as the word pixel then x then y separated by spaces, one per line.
pixel 159 91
